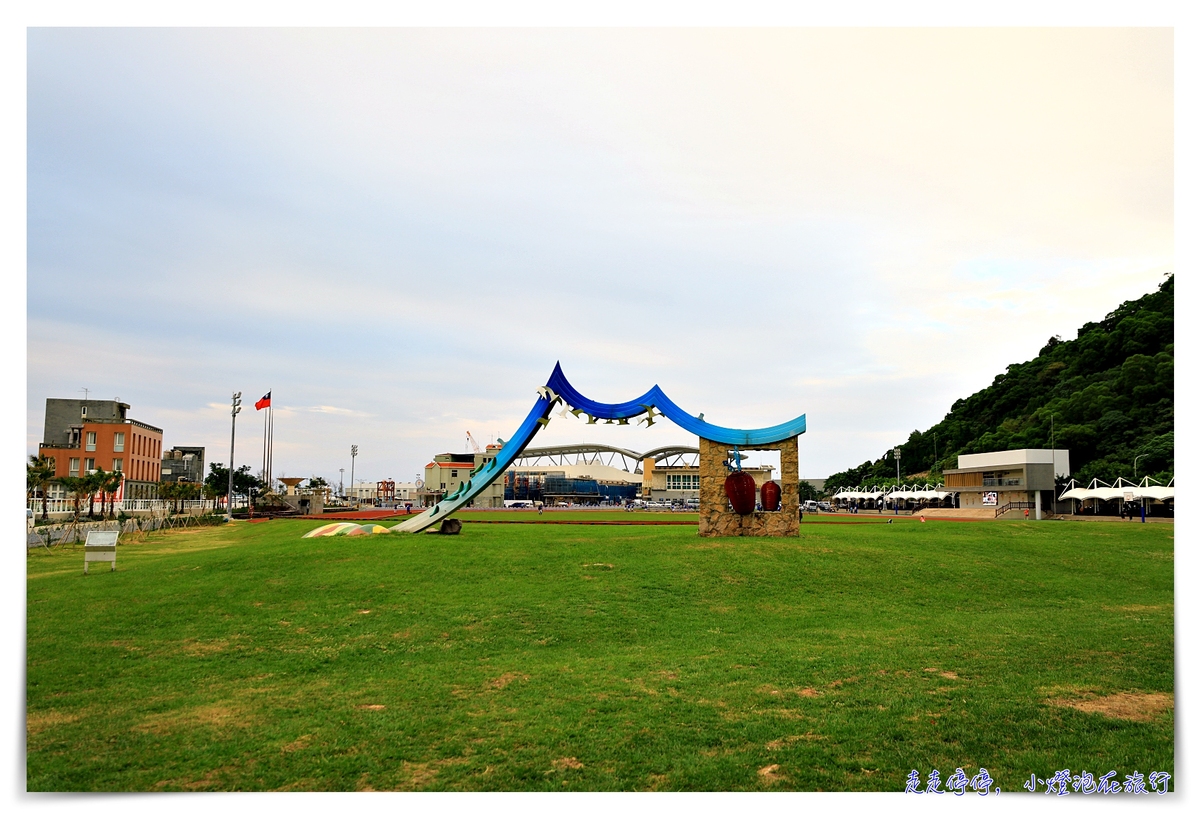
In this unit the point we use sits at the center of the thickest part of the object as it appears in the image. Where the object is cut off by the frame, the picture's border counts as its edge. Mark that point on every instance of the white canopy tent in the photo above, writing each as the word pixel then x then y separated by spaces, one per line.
pixel 928 492
pixel 856 493
pixel 1123 490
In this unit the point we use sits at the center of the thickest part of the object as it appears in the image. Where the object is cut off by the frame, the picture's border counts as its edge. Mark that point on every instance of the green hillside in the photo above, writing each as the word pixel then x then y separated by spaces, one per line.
pixel 1111 392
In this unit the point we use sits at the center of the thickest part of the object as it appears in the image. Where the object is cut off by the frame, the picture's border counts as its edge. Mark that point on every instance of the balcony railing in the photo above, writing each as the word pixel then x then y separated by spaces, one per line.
pixel 1003 481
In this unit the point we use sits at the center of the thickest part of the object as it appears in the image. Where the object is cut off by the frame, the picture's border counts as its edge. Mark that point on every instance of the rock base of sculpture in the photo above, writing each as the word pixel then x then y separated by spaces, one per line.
pixel 717 519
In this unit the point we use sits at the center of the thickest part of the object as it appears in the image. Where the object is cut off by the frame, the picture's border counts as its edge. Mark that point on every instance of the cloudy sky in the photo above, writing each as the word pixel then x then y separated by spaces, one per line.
pixel 400 231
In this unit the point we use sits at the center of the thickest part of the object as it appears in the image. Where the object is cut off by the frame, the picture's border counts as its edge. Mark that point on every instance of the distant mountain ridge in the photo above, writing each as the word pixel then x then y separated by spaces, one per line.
pixel 1111 392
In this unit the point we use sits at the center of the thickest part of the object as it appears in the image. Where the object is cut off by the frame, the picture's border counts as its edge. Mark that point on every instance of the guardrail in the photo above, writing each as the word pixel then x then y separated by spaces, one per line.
pixel 63 506
pixel 1016 505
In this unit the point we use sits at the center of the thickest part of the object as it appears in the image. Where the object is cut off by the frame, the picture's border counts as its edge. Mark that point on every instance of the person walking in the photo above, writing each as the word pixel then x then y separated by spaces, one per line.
pixel 1026 515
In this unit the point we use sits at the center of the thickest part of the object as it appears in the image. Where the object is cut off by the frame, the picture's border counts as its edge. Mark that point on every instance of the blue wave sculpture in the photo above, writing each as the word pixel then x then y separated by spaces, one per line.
pixel 559 389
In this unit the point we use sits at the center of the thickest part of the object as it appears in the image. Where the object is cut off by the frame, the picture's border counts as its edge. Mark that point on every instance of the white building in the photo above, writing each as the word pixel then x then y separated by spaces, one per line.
pixel 994 479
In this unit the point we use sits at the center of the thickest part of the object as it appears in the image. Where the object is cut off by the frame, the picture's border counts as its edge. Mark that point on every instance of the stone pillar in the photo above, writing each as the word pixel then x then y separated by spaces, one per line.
pixel 1037 502
pixel 717 519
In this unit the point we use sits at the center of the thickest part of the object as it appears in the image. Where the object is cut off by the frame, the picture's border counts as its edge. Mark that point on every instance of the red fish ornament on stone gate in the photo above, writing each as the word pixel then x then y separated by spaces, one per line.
pixel 770 494
pixel 739 488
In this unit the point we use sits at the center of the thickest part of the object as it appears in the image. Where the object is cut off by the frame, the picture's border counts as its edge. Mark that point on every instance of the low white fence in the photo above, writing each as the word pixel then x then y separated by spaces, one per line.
pixel 61 506
pixel 65 533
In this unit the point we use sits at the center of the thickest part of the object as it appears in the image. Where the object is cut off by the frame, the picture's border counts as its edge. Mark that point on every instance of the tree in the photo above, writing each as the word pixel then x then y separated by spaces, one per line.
pixel 75 487
pixel 808 491
pixel 112 486
pixel 243 481
pixel 168 491
pixel 39 473
pixel 210 493
pixel 94 483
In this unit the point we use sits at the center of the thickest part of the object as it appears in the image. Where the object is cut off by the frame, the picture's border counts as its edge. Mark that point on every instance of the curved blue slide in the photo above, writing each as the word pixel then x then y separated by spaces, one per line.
pixel 559 389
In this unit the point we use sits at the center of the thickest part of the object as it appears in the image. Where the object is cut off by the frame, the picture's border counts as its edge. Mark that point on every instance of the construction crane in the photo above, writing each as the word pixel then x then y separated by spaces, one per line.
pixel 474 445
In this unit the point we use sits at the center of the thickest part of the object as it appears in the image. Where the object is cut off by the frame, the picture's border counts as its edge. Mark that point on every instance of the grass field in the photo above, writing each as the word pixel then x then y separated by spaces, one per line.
pixel 557 657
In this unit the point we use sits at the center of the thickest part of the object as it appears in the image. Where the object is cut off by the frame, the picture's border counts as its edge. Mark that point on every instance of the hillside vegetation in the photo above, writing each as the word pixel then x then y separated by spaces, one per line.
pixel 1111 393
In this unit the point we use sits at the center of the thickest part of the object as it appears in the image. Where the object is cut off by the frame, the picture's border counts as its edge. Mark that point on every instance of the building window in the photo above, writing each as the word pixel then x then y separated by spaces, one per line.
pixel 443 485
pixel 52 462
pixel 119 442
pixel 454 472
pixel 83 411
pixel 74 470
pixel 89 465
pixel 683 482
pixel 91 441
pixel 118 463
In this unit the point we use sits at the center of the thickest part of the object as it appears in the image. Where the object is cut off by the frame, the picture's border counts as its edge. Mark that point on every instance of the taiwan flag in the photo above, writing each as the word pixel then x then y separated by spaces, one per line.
pixel 264 402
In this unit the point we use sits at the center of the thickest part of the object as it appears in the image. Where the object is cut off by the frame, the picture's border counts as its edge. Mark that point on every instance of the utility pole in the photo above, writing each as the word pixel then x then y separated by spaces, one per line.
pixel 896 454
pixel 237 407
pixel 353 454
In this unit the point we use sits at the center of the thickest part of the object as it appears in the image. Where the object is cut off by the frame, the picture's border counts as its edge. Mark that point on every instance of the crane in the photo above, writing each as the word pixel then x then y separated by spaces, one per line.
pixel 474 445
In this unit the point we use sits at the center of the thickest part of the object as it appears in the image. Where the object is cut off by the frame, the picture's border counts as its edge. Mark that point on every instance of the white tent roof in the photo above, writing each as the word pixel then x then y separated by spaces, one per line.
pixel 914 493
pixel 1097 491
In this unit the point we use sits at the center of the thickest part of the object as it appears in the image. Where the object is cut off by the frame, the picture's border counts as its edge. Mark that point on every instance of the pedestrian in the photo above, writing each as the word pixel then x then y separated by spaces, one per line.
pixel 1026 515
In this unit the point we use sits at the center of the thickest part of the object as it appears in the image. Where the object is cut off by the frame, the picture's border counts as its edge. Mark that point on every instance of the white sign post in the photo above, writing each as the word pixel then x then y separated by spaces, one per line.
pixel 100 546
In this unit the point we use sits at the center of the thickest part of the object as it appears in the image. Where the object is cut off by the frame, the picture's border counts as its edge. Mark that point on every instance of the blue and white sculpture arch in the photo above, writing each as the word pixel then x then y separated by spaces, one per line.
pixel 558 389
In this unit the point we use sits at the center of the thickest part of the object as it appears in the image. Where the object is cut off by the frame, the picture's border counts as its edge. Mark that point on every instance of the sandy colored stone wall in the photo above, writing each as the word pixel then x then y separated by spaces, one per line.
pixel 717 519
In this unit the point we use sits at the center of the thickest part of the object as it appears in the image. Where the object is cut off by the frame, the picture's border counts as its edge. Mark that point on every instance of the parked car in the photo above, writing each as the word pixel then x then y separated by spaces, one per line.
pixel 811 507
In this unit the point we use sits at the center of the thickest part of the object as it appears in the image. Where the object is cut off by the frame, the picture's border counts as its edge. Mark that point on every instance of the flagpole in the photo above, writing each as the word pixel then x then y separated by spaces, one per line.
pixel 270 443
pixel 264 451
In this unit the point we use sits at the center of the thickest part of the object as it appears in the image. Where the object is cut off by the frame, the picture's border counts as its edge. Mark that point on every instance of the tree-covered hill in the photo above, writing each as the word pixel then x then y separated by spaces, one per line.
pixel 1111 392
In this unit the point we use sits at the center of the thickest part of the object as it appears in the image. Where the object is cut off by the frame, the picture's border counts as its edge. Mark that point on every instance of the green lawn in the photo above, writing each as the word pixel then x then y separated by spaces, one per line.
pixel 592 657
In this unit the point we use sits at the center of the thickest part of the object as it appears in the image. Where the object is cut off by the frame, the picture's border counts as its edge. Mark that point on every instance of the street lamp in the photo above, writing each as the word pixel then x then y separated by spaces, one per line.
pixel 353 454
pixel 1135 460
pixel 237 407
pixel 342 482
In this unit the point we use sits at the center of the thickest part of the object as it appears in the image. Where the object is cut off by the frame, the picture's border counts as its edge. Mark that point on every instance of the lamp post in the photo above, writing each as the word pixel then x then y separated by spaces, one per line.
pixel 237 407
pixel 353 454
pixel 1135 460
pixel 342 483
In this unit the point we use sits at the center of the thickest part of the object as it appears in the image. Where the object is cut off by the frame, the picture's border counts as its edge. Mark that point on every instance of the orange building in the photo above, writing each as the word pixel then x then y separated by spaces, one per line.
pixel 83 436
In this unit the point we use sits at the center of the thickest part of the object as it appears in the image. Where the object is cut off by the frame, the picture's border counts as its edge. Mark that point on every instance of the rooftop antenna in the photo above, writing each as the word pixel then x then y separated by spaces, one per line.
pixel 85 391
